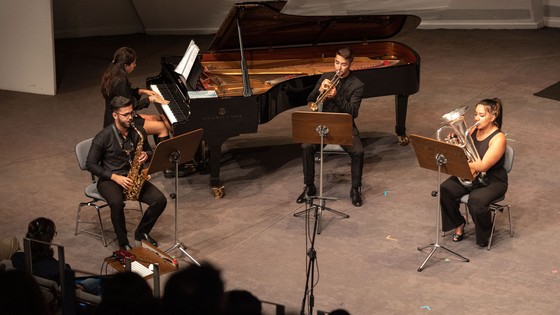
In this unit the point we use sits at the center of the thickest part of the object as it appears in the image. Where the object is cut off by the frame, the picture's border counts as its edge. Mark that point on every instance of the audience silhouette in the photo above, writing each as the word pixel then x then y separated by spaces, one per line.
pixel 241 302
pixel 20 294
pixel 194 290
pixel 127 293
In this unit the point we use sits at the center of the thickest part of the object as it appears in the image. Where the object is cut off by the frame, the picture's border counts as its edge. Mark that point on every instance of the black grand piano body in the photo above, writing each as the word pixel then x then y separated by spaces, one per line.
pixel 267 34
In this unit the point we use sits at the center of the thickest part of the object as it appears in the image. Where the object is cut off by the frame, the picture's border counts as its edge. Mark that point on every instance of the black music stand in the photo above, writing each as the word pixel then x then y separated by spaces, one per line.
pixel 319 128
pixel 173 152
pixel 443 158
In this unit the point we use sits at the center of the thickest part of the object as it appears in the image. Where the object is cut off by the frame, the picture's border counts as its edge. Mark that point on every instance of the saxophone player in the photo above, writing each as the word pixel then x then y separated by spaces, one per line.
pixel 109 158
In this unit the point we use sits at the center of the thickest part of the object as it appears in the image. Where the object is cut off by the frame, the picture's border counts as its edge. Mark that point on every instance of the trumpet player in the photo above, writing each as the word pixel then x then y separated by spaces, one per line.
pixel 109 158
pixel 490 143
pixel 344 97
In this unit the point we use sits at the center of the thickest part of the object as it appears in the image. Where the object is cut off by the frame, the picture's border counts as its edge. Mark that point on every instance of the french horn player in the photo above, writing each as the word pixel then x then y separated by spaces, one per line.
pixel 490 145
pixel 339 91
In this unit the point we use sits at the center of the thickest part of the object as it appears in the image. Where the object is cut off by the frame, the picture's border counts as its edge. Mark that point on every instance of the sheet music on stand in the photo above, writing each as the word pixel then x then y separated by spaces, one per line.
pixel 184 67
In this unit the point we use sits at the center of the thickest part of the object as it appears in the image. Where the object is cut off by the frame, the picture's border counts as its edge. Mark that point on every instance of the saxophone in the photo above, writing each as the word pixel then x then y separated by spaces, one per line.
pixel 135 173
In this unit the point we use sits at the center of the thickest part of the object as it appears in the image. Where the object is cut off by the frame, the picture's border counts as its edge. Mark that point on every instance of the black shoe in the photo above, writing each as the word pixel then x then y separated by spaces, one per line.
pixel 146 237
pixel 356 196
pixel 309 190
pixel 459 237
pixel 125 247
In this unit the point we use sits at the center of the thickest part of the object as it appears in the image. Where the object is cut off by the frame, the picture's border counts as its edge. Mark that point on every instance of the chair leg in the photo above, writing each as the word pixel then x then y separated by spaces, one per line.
pixel 510 221
pixel 493 228
pixel 78 217
pixel 98 208
pixel 101 225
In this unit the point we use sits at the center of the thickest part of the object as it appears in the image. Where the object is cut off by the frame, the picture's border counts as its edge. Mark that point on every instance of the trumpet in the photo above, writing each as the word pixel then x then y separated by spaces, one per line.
pixel 455 120
pixel 318 104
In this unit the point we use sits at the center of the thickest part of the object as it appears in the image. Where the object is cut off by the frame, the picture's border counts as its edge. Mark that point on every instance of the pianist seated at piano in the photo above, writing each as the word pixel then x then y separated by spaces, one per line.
pixel 115 83
pixel 345 96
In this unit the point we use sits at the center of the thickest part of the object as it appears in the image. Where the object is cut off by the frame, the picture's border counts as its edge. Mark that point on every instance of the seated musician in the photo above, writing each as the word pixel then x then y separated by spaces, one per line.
pixel 345 97
pixel 108 159
pixel 115 83
pixel 490 143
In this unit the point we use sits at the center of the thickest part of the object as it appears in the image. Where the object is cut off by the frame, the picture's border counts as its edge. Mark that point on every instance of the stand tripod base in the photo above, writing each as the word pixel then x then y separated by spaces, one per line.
pixel 436 246
pixel 320 209
pixel 183 249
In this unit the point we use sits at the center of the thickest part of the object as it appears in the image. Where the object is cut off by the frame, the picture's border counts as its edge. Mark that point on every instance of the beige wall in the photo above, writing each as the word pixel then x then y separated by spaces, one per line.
pixel 27 48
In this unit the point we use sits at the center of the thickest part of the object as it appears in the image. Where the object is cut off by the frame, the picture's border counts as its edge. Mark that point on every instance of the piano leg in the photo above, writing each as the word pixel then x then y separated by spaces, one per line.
pixel 401 104
pixel 215 152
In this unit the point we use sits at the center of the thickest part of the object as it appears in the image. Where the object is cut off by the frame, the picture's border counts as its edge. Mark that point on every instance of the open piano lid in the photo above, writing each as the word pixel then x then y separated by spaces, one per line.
pixel 263 26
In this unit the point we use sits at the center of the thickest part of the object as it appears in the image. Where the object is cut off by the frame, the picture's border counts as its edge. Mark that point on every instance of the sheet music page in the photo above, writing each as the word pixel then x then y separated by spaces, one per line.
pixel 184 67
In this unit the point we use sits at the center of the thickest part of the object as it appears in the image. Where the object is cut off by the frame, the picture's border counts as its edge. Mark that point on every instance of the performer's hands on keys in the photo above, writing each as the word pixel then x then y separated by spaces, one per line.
pixel 156 98
pixel 143 157
pixel 123 181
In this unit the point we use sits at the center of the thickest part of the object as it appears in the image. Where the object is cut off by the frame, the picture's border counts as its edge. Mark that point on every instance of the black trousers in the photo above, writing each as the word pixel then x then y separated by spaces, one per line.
pixel 149 194
pixel 452 190
pixel 356 152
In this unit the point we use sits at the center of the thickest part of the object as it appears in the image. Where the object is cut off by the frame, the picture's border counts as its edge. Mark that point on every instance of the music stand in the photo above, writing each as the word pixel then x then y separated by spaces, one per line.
pixel 322 128
pixel 319 128
pixel 172 152
pixel 443 158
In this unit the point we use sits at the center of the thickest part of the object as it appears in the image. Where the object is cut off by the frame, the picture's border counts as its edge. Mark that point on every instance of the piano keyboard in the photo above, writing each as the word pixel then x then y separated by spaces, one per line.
pixel 140 269
pixel 173 110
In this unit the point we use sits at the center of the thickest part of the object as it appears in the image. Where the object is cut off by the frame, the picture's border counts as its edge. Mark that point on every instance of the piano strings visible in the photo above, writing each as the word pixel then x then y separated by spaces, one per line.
pixel 225 77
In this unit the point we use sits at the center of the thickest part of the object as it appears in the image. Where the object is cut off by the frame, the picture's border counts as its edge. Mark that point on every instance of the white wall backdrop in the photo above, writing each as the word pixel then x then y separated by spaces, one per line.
pixel 27 32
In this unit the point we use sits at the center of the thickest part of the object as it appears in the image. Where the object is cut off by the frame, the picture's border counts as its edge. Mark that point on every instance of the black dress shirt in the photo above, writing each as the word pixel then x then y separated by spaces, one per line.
pixel 111 153
pixel 349 93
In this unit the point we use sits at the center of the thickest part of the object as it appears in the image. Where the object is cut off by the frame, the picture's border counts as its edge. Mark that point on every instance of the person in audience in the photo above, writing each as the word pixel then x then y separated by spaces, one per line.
pixel 127 293
pixel 194 290
pixel 109 158
pixel 44 264
pixel 491 144
pixel 241 302
pixel 42 254
pixel 20 294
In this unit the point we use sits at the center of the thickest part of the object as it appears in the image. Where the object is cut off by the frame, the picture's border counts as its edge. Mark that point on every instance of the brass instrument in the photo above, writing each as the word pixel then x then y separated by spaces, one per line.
pixel 318 104
pixel 459 135
pixel 135 173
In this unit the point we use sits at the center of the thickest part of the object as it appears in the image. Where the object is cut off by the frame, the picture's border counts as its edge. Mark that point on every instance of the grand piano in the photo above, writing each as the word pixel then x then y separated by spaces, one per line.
pixel 262 62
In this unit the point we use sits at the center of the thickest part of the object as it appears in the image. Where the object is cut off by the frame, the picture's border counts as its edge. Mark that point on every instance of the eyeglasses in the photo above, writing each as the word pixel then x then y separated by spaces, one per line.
pixel 129 114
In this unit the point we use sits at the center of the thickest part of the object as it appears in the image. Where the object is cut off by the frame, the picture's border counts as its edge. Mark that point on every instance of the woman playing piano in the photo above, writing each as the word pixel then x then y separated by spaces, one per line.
pixel 115 83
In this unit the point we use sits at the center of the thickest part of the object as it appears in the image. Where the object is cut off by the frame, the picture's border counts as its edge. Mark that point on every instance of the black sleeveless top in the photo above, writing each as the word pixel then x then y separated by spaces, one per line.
pixel 482 147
